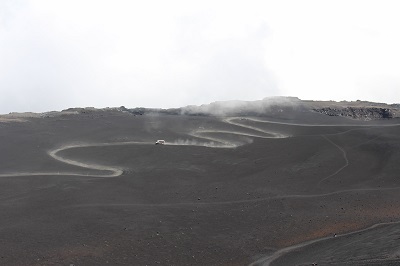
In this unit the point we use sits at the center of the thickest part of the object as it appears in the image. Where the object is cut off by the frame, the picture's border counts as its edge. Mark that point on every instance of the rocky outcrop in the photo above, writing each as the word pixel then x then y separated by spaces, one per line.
pixel 364 113
pixel 275 107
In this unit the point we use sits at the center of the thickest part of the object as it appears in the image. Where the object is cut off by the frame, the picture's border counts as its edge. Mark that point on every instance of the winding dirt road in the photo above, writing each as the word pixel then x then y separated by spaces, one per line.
pixel 115 171
pixel 266 261
pixel 216 142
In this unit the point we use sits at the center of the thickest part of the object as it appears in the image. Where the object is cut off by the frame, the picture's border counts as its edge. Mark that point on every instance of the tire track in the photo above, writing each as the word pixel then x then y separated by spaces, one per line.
pixel 115 171
pixel 214 142
pixel 266 261
pixel 223 143
pixel 243 201
pixel 341 168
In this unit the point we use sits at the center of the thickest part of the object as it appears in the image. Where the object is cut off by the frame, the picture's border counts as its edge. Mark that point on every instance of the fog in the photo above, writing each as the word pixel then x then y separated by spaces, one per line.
pixel 231 108
pixel 60 54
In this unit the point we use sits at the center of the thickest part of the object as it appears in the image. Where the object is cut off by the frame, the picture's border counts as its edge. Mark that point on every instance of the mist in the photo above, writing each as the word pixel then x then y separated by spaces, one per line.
pixel 60 54
pixel 232 108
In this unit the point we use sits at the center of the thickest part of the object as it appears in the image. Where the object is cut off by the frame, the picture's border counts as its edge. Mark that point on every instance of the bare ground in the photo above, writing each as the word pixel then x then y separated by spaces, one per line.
pixel 88 190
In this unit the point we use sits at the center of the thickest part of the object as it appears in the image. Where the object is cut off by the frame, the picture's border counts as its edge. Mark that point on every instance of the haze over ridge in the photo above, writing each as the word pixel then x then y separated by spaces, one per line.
pixel 60 54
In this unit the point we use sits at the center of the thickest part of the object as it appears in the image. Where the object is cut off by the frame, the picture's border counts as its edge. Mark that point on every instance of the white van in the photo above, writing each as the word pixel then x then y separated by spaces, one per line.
pixel 160 141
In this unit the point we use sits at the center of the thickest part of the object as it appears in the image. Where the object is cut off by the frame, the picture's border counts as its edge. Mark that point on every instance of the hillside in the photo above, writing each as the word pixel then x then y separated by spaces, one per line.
pixel 273 182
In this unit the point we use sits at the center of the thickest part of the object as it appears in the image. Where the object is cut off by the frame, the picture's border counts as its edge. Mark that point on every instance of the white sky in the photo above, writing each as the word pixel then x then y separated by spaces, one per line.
pixel 60 54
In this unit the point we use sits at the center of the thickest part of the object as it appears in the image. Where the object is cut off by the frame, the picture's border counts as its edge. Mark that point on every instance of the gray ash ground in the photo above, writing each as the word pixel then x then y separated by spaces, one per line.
pixel 199 205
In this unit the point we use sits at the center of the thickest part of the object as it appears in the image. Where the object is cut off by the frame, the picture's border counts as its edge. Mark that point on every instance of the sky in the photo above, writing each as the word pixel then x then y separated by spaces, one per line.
pixel 58 54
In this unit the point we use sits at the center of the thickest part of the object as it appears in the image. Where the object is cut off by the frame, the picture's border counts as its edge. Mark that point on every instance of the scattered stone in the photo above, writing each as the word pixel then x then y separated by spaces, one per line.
pixel 363 113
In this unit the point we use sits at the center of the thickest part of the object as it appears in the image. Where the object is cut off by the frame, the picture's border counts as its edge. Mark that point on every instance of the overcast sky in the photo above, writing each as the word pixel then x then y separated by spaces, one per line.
pixel 60 54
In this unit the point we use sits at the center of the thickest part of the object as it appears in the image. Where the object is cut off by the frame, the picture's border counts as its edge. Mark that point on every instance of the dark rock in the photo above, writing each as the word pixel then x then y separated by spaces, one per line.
pixel 367 113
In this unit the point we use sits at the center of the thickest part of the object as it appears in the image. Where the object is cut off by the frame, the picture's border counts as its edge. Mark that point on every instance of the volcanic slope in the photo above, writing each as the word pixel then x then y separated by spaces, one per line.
pixel 94 189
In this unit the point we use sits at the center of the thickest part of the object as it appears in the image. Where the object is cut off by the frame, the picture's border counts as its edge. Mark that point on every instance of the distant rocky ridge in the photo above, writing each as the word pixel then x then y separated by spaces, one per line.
pixel 358 112
pixel 271 106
